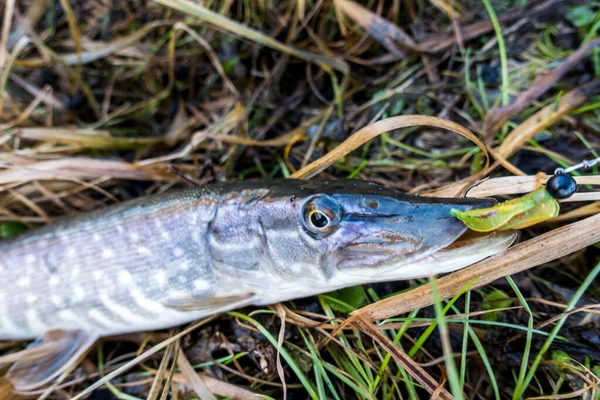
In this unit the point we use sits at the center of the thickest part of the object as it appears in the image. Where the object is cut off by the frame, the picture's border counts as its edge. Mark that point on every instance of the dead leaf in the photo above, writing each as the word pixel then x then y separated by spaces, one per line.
pixel 81 168
pixel 546 117
pixel 514 185
pixel 96 51
pixel 382 30
pixel 85 138
pixel 499 116
pixel 371 131
pixel 232 26
pixel 192 380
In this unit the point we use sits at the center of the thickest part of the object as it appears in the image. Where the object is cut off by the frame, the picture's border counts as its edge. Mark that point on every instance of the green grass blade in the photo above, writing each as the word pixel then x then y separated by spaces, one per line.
pixel 318 369
pixel 465 343
pixel 527 350
pixel 284 353
pixel 576 297
pixel 242 30
pixel 501 49
pixel 453 378
pixel 486 362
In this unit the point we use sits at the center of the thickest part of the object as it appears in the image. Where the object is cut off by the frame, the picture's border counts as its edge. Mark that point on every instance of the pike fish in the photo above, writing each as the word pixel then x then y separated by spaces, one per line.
pixel 172 258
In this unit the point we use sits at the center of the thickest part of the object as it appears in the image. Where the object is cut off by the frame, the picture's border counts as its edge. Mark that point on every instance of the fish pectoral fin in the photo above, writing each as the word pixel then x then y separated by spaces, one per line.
pixel 209 304
pixel 58 352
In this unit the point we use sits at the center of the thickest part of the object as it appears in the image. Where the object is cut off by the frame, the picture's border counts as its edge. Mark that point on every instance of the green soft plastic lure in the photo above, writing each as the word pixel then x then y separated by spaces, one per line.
pixel 522 212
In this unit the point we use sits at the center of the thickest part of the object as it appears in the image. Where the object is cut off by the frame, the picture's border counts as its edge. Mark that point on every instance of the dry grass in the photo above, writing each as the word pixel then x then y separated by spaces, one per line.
pixel 105 101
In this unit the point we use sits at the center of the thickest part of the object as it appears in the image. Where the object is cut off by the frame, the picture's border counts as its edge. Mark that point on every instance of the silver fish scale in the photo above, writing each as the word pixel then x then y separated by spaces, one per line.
pixel 107 272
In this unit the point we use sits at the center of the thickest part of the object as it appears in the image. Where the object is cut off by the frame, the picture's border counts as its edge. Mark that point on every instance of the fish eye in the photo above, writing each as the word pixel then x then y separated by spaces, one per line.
pixel 318 219
pixel 320 216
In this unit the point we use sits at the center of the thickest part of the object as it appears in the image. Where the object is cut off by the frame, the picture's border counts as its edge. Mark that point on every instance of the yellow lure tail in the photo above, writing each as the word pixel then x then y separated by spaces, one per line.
pixel 518 213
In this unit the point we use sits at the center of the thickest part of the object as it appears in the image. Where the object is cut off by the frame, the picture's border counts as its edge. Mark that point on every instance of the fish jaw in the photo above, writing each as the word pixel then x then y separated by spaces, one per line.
pixel 469 249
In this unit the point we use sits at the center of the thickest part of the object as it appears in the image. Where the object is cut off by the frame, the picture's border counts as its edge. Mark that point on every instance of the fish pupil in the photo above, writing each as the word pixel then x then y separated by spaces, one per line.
pixel 561 186
pixel 318 219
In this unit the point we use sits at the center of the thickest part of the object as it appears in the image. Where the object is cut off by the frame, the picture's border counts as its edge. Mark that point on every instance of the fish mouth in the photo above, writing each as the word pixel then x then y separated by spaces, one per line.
pixel 386 241
pixel 469 248
pixel 378 248
pixel 388 265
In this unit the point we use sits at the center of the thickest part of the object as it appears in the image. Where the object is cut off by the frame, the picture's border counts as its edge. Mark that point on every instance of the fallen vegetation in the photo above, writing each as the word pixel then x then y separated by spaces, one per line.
pixel 105 101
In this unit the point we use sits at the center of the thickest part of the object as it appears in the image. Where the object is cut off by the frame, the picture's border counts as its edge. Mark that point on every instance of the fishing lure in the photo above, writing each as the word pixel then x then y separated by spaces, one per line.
pixel 522 212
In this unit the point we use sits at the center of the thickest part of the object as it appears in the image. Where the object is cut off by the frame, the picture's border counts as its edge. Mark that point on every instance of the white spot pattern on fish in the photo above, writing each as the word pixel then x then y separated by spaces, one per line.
pixel 121 311
pixel 34 322
pixel 56 300
pixel 101 319
pixel 68 315
pixel 6 323
pixel 125 277
pixel 24 282
pixel 196 237
pixel 201 285
pixel 143 250
pixel 79 293
pixel 71 252
pixel 145 302
pixel 184 265
pixel 161 278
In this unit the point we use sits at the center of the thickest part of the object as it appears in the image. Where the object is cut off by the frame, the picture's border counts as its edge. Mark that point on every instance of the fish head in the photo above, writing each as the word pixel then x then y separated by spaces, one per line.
pixel 361 232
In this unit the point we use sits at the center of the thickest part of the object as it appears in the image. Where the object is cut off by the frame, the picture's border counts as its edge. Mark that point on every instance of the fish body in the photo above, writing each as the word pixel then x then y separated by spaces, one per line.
pixel 172 258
